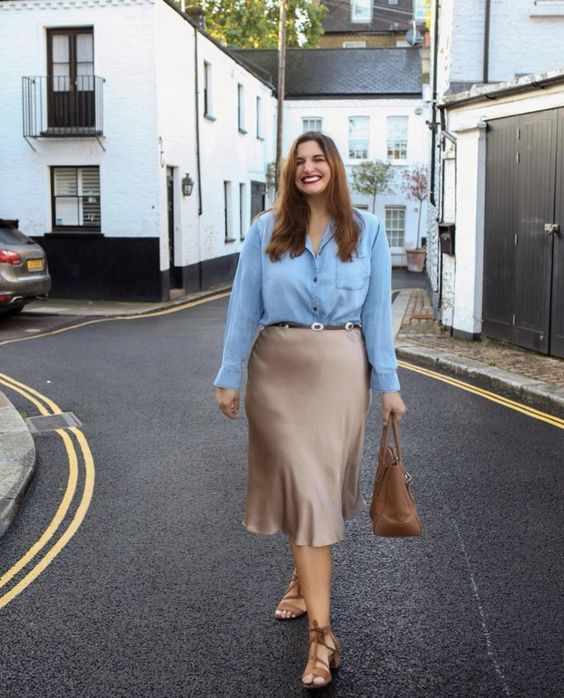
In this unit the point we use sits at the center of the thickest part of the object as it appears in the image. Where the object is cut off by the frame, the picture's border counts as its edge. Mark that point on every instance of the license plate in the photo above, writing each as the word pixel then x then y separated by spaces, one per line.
pixel 35 264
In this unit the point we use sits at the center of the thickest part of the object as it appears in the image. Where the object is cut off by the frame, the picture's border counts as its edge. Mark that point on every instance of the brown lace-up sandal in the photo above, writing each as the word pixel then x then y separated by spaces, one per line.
pixel 319 667
pixel 292 592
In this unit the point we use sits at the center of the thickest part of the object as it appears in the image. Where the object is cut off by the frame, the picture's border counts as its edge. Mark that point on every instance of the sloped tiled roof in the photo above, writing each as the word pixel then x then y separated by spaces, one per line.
pixel 341 72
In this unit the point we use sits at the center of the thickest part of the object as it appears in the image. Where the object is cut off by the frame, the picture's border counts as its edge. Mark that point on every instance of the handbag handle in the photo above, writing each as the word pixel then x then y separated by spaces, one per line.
pixel 385 439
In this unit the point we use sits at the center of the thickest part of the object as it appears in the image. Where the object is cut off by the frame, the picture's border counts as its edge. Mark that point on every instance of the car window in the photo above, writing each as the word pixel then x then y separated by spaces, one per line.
pixel 11 236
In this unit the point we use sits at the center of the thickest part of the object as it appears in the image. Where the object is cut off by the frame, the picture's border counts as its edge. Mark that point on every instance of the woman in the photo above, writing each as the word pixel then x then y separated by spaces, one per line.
pixel 315 274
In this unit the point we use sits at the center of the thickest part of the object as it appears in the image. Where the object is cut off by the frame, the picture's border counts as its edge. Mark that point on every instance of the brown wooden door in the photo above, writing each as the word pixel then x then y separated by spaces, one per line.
pixel 70 81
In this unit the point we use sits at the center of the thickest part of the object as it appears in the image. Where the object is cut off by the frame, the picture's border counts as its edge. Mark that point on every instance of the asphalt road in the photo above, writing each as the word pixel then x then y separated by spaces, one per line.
pixel 162 592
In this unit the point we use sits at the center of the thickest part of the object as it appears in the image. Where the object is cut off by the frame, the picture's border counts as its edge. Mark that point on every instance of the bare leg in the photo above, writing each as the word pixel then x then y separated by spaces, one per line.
pixel 313 565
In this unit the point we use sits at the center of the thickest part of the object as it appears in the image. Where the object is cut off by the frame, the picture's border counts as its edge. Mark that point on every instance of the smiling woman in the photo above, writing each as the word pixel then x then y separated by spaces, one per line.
pixel 315 274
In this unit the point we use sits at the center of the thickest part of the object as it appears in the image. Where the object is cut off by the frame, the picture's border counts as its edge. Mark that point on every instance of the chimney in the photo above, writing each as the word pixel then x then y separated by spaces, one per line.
pixel 199 15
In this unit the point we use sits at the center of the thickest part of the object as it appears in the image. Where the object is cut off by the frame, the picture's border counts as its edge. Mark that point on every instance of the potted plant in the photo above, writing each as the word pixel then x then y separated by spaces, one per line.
pixel 415 186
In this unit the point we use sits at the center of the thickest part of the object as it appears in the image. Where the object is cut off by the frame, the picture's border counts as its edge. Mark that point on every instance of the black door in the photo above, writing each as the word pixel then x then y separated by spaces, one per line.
pixel 520 256
pixel 71 100
pixel 258 198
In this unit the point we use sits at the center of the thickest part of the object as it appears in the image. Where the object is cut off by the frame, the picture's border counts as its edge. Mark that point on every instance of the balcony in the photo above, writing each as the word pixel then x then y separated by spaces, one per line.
pixel 63 106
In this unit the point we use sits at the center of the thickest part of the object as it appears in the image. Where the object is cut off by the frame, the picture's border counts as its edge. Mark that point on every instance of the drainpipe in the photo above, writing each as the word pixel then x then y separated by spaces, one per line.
pixel 486 51
pixel 197 121
pixel 434 103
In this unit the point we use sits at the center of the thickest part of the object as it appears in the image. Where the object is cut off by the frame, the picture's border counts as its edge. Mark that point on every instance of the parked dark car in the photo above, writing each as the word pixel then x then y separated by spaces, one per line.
pixel 24 275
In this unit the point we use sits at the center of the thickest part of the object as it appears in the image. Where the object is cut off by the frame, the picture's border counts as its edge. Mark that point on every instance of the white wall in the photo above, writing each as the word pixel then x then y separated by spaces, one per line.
pixel 335 114
pixel 525 37
pixel 227 154
pixel 129 194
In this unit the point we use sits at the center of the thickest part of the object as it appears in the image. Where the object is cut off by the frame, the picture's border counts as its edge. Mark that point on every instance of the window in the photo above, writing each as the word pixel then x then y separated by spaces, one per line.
pixel 208 107
pixel 241 107
pixel 361 11
pixel 75 197
pixel 71 100
pixel 392 2
pixel 227 209
pixel 395 225
pixel 358 137
pixel 311 123
pixel 259 118
pixel 397 137
pixel 242 211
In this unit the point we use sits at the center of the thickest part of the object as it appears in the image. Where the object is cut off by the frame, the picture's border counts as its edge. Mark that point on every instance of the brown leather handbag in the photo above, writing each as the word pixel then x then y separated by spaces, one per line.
pixel 392 510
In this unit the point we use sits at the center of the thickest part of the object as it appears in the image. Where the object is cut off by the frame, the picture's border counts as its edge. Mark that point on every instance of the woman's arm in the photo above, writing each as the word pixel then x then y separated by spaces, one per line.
pixel 244 311
pixel 376 318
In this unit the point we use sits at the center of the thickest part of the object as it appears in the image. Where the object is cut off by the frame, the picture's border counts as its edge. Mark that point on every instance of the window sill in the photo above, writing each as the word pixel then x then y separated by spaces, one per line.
pixel 76 232
pixel 242 130
pixel 547 9
pixel 260 138
pixel 230 240
pixel 210 117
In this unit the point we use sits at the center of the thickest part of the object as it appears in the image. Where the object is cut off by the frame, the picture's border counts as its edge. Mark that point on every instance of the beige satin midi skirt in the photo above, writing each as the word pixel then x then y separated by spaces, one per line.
pixel 307 397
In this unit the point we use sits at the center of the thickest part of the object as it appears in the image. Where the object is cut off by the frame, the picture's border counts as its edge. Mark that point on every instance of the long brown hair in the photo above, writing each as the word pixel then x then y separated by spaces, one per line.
pixel 292 212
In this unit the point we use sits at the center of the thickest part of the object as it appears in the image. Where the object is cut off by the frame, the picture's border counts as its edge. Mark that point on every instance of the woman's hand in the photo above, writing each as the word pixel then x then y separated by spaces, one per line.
pixel 228 402
pixel 392 404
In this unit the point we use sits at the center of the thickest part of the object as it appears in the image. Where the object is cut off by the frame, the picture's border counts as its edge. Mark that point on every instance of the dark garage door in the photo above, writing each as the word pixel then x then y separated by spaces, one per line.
pixel 523 243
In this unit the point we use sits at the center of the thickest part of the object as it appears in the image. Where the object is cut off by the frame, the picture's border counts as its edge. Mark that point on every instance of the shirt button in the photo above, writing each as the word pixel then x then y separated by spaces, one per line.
pixel 315 279
pixel 315 308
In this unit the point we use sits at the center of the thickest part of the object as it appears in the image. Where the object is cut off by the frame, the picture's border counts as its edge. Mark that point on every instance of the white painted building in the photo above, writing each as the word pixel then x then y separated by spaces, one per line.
pixel 370 102
pixel 489 45
pixel 106 107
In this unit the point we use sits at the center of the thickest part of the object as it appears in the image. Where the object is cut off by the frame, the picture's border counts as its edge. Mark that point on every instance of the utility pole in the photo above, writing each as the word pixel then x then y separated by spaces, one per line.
pixel 281 79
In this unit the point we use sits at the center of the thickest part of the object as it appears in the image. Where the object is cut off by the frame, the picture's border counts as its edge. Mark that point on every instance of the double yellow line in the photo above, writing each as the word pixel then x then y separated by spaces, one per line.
pixel 36 554
pixel 487 395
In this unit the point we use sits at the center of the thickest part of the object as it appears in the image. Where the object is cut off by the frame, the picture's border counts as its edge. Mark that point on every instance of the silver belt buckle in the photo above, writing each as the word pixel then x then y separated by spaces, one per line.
pixel 317 326
pixel 349 325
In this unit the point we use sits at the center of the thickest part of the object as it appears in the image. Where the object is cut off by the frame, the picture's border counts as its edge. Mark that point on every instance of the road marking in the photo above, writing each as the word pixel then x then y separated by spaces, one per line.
pixel 156 313
pixel 506 402
pixel 65 504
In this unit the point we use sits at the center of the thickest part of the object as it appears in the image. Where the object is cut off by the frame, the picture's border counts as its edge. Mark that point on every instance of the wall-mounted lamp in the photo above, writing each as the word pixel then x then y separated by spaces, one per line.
pixel 187 185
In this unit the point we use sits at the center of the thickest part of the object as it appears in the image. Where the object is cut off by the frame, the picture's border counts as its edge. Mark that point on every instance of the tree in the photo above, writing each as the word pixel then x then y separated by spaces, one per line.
pixel 254 23
pixel 372 177
pixel 415 186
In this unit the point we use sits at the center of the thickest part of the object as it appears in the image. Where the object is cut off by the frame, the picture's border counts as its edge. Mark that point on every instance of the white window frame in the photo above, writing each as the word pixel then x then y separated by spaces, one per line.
pixel 306 126
pixel 241 107
pixel 242 211
pixel 208 90
pixel 357 7
pixel 259 117
pixel 80 198
pixel 397 145
pixel 392 232
pixel 228 211
pixel 355 145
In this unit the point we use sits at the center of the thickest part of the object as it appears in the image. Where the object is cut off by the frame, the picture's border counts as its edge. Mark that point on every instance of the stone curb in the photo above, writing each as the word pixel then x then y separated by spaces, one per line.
pixel 17 461
pixel 523 389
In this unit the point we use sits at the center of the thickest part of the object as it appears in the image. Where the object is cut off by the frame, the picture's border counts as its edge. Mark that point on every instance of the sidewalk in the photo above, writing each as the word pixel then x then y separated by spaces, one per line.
pixel 520 374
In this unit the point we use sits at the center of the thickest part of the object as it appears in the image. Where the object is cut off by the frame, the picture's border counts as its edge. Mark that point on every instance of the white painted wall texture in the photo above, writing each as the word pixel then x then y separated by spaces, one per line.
pixel 335 115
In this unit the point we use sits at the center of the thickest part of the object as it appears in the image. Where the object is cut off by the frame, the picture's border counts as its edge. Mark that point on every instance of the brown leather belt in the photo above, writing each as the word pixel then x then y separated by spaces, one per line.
pixel 318 326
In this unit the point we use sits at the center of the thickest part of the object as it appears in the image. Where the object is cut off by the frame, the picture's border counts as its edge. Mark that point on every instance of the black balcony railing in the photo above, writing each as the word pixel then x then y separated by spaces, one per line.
pixel 62 106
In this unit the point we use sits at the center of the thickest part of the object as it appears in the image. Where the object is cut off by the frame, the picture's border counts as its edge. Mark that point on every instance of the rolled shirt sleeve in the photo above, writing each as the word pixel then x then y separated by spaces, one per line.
pixel 376 318
pixel 244 310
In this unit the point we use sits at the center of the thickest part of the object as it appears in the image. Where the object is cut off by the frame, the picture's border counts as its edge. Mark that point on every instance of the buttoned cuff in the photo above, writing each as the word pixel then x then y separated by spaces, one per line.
pixel 384 381
pixel 228 377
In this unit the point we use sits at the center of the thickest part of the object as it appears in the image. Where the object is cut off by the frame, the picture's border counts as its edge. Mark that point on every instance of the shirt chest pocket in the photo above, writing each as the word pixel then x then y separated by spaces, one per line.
pixel 353 275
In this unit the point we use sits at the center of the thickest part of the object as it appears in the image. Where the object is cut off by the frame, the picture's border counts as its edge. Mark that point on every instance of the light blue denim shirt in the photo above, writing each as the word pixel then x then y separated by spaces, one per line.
pixel 313 288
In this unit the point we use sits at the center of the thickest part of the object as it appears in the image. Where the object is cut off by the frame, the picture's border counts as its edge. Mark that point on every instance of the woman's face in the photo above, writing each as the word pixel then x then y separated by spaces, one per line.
pixel 312 169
